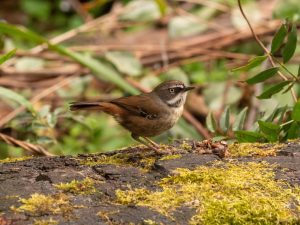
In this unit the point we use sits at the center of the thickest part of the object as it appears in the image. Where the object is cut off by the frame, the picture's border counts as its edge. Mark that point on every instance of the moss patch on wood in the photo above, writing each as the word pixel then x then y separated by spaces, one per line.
pixel 9 160
pixel 40 204
pixel 83 187
pixel 169 157
pixel 127 159
pixel 45 222
pixel 226 193
pixel 254 149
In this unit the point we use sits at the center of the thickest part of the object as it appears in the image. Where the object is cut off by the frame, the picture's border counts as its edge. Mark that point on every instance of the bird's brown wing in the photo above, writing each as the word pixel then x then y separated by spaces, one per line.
pixel 140 105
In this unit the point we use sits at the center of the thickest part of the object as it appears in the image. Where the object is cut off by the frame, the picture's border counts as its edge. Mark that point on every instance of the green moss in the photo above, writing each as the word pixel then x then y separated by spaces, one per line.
pixel 45 222
pixel 83 187
pixel 150 222
pixel 39 204
pixel 121 159
pixel 253 149
pixel 185 145
pixel 168 157
pixel 232 193
pixel 9 160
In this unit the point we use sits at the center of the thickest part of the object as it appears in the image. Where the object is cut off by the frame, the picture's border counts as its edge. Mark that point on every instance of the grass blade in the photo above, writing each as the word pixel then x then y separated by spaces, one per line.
pixel 7 56
pixel 225 119
pixel 240 120
pixel 14 96
pixel 211 123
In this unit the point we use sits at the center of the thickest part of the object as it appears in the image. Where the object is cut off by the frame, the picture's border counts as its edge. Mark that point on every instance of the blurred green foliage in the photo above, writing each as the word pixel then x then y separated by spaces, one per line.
pixel 50 15
pixel 63 132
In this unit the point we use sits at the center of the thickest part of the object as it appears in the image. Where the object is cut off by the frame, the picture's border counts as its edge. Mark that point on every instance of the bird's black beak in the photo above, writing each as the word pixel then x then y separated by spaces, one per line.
pixel 188 88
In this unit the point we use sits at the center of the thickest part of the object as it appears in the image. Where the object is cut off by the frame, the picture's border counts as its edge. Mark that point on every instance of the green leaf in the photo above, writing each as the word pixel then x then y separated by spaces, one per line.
pixel 37 9
pixel 275 113
pixel 278 38
pixel 251 64
pixel 219 138
pixel 262 76
pixel 248 136
pixel 14 96
pixel 162 5
pixel 240 120
pixel 177 72
pixel 125 62
pixel 290 47
pixel 270 130
pixel 296 112
pixel 273 90
pixel 225 119
pixel 184 26
pixel 7 56
pixel 281 113
pixel 141 11
pixel 100 69
pixel 289 87
pixel 211 123
pixel 22 32
pixel 294 131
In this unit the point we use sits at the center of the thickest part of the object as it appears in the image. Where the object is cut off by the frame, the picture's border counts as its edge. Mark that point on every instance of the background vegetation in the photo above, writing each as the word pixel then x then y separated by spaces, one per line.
pixel 56 52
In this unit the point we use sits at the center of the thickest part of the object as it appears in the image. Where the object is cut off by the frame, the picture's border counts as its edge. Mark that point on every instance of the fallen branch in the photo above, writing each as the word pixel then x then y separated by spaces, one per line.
pixel 35 149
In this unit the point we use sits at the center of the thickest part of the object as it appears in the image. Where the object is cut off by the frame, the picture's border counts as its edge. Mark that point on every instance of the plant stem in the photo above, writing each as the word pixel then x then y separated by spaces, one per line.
pixel 265 49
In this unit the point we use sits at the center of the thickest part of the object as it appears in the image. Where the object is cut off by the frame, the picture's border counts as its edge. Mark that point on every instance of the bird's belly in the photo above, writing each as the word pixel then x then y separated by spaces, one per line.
pixel 151 127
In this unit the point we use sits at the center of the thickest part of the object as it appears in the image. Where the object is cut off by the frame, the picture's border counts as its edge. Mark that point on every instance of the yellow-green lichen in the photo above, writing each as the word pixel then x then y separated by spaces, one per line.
pixel 83 187
pixel 226 193
pixel 253 149
pixel 185 145
pixel 169 157
pixel 150 222
pixel 45 222
pixel 120 159
pixel 9 160
pixel 39 204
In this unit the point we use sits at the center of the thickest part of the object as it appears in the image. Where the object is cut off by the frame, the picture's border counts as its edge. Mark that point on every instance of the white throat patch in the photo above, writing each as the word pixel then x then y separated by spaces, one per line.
pixel 177 101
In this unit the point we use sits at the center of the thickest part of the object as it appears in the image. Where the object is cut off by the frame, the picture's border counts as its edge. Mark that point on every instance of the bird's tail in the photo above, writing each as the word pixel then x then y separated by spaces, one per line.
pixel 74 106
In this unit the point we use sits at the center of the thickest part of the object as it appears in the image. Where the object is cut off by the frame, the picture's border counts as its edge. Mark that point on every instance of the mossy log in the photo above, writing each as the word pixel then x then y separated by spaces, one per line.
pixel 196 183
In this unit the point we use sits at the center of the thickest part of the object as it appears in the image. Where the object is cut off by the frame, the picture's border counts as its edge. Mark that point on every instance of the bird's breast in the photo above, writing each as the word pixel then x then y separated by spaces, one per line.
pixel 174 115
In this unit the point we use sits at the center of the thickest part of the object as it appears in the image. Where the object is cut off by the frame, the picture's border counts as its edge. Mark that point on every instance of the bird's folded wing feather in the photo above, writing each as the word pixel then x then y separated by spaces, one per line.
pixel 140 105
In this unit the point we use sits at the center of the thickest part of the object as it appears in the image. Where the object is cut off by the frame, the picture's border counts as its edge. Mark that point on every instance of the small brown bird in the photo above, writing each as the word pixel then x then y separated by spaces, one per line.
pixel 145 115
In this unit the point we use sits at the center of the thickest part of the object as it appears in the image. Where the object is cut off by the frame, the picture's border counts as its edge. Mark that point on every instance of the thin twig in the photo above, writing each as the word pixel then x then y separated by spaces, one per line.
pixel 35 149
pixel 86 26
pixel 266 50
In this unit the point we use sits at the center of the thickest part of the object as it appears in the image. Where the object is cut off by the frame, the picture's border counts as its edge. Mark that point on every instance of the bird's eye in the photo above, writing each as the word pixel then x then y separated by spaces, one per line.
pixel 171 90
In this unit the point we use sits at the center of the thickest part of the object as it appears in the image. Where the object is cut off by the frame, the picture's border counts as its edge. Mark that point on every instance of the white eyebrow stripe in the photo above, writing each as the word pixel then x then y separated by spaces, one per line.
pixel 177 85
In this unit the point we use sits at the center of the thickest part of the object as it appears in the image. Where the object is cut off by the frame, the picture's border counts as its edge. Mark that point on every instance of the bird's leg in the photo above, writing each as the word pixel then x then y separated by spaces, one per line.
pixel 138 138
pixel 152 142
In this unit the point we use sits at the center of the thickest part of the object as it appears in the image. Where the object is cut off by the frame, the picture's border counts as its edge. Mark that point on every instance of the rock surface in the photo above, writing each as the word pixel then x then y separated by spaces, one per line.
pixel 121 170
